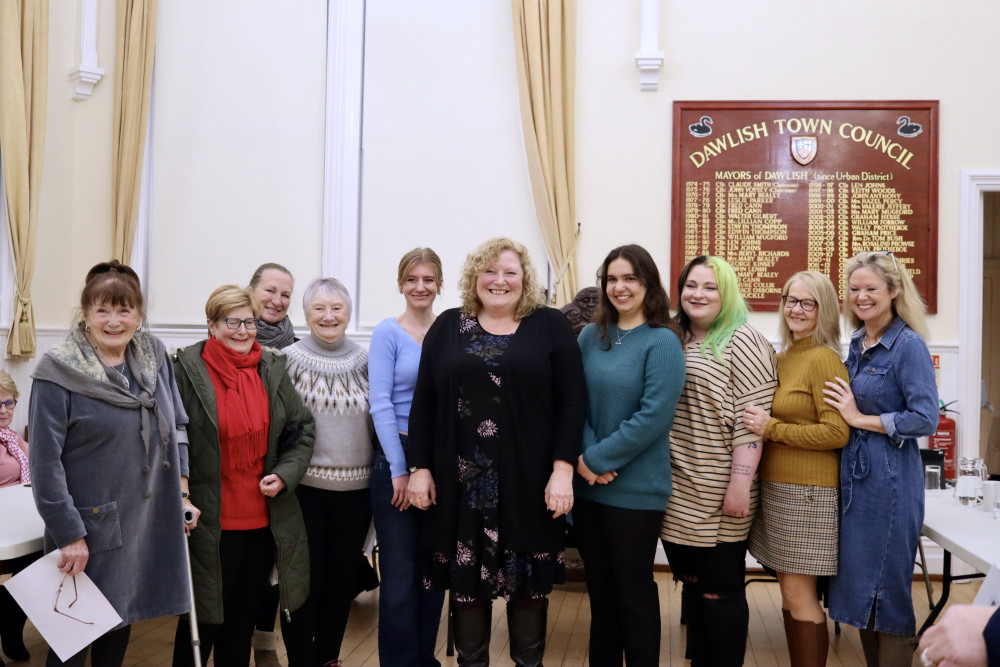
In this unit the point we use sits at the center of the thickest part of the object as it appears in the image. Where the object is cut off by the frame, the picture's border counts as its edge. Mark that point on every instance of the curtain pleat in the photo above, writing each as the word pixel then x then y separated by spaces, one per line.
pixel 24 29
pixel 135 42
pixel 545 46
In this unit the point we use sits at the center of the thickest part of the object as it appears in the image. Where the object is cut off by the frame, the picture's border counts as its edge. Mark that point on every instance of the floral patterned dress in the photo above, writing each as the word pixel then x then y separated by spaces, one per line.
pixel 481 568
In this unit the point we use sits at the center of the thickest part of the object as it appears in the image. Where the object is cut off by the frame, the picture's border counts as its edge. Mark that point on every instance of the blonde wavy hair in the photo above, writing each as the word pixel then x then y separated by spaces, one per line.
pixel 820 288
pixel 907 304
pixel 485 256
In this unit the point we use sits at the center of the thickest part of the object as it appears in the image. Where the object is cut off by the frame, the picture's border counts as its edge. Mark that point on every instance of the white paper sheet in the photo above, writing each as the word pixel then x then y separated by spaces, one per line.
pixel 989 592
pixel 36 589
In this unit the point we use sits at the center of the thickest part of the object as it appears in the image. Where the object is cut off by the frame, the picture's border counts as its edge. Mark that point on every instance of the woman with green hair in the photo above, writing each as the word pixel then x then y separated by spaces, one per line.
pixel 714 457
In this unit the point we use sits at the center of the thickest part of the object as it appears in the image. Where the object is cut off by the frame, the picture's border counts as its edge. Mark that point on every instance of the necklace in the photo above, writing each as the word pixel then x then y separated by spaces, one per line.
pixel 121 373
pixel 620 336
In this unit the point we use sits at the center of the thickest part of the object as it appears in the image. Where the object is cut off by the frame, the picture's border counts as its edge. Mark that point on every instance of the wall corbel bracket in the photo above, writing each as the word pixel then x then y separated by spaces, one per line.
pixel 87 74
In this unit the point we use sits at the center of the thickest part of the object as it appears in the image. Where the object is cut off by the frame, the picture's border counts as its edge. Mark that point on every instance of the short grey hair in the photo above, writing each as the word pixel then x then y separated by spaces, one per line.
pixel 326 286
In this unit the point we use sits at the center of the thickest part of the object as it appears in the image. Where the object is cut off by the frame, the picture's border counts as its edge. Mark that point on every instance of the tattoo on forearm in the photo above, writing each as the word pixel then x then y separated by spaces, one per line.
pixel 741 469
pixel 753 445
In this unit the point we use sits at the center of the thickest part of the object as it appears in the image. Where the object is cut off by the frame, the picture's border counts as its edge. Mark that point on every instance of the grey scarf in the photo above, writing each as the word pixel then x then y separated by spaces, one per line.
pixel 277 335
pixel 74 366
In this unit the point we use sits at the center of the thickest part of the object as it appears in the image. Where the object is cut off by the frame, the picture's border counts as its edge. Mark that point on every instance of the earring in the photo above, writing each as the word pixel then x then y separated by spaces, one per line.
pixel 86 328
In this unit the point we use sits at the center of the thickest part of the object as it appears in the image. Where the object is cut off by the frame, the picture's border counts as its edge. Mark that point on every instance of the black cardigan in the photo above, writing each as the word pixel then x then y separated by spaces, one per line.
pixel 545 401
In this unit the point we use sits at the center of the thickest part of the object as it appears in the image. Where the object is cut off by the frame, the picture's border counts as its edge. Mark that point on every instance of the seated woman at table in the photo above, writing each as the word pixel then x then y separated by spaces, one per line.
pixel 108 453
pixel 891 401
pixel 13 470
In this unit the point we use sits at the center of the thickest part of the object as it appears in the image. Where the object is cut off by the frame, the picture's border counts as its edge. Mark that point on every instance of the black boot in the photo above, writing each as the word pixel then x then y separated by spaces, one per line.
pixel 12 620
pixel 526 626
pixel 473 623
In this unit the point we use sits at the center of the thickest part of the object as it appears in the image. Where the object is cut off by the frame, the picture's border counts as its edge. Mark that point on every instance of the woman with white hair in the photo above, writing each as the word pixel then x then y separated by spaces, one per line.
pixel 330 372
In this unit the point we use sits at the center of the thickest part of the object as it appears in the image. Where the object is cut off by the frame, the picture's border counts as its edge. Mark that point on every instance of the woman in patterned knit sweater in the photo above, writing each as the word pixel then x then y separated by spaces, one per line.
pixel 330 372
pixel 795 532
pixel 713 459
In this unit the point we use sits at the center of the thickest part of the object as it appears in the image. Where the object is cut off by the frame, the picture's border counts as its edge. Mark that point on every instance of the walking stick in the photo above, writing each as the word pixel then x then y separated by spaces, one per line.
pixel 192 617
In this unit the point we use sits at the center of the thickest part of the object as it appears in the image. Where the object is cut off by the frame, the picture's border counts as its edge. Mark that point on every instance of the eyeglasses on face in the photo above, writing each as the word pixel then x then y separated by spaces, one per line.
pixel 235 322
pixel 76 596
pixel 8 404
pixel 808 305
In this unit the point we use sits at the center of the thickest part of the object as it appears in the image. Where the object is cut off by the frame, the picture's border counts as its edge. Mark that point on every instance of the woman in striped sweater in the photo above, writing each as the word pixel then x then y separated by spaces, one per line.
pixel 795 532
pixel 714 457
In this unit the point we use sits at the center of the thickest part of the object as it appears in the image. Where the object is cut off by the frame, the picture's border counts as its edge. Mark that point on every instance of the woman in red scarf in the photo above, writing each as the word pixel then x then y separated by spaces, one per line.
pixel 251 439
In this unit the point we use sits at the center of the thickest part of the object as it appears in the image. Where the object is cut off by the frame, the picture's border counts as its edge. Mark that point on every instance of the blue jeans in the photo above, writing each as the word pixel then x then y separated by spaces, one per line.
pixel 408 614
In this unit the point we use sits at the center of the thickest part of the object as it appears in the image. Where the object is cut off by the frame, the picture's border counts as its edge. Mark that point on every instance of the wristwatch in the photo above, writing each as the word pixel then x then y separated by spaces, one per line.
pixel 412 469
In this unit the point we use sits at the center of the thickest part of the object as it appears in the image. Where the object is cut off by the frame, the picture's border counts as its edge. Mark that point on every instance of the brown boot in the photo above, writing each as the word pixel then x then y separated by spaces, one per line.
pixel 792 638
pixel 812 642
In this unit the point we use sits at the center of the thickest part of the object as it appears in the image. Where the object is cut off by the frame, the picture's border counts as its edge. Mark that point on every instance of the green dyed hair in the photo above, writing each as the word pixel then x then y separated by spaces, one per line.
pixel 734 311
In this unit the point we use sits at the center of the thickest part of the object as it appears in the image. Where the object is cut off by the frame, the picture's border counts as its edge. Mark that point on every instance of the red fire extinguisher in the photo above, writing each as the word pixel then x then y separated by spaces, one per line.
pixel 944 439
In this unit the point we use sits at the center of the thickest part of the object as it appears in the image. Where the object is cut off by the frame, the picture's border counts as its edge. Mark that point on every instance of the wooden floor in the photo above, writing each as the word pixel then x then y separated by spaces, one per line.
pixel 569 618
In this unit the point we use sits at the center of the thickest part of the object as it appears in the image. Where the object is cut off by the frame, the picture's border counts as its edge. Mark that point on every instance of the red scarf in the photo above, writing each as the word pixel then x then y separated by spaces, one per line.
pixel 241 401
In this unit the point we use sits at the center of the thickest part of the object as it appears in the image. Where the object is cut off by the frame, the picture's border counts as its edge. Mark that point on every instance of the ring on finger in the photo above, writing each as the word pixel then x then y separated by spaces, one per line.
pixel 925 660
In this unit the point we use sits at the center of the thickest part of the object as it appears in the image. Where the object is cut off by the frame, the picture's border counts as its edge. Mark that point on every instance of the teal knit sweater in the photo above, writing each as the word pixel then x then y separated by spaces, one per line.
pixel 632 390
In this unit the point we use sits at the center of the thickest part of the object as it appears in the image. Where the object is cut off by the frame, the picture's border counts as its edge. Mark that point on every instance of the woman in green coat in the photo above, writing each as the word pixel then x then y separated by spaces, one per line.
pixel 250 441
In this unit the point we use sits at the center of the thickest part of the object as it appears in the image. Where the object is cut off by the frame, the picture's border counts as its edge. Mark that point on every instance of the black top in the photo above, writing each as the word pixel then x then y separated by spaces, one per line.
pixel 544 401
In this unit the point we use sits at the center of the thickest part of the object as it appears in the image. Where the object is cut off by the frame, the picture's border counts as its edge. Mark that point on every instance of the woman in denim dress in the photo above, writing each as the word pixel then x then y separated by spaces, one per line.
pixel 891 400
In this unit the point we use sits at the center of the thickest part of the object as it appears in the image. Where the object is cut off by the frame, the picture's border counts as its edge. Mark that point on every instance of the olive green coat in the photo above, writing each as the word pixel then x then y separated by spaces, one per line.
pixel 291 546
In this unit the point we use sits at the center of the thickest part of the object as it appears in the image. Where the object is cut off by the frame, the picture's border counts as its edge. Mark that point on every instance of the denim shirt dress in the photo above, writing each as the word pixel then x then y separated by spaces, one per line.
pixel 882 481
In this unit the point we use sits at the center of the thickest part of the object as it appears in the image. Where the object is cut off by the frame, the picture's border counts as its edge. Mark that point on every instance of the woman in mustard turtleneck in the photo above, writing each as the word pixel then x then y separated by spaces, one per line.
pixel 795 532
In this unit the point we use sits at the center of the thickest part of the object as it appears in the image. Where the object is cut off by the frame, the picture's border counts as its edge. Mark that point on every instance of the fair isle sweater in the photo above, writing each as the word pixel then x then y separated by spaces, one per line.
pixel 332 379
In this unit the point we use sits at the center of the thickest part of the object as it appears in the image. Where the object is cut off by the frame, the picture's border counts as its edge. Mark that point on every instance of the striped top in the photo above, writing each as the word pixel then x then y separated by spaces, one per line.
pixel 803 438
pixel 707 427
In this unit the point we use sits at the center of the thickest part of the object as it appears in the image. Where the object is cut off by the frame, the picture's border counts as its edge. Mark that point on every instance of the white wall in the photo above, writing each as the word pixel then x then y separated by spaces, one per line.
pixel 444 161
pixel 238 125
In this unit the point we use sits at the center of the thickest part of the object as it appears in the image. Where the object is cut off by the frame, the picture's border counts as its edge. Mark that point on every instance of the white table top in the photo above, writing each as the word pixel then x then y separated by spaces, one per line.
pixel 21 529
pixel 966 531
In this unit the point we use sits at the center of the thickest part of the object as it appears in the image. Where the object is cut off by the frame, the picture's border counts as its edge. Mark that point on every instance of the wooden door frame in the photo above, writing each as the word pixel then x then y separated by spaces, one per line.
pixel 974 184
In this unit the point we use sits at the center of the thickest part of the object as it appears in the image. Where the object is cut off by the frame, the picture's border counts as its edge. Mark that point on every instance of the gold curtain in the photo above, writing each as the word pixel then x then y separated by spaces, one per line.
pixel 135 40
pixel 24 49
pixel 545 46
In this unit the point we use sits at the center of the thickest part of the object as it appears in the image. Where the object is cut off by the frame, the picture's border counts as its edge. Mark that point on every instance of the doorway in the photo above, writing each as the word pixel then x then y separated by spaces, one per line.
pixel 989 428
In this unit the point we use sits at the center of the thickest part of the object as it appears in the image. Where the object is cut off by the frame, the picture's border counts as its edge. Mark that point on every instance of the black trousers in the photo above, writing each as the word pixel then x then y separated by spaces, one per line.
pixel 247 557
pixel 336 523
pixel 618 548
pixel 717 613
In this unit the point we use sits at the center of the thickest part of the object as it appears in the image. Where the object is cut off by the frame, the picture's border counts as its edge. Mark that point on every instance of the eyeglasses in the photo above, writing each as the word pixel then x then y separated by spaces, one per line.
pixel 888 253
pixel 235 322
pixel 76 596
pixel 9 404
pixel 808 305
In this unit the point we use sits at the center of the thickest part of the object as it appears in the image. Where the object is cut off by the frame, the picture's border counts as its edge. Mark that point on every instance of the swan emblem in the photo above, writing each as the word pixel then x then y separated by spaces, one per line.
pixel 703 127
pixel 907 129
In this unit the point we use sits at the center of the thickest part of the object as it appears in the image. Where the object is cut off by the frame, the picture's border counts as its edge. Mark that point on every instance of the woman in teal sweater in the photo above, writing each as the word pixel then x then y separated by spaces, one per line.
pixel 634 365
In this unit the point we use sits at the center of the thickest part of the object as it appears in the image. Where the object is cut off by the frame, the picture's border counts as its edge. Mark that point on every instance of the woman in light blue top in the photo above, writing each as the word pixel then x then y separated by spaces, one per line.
pixel 408 614
pixel 891 400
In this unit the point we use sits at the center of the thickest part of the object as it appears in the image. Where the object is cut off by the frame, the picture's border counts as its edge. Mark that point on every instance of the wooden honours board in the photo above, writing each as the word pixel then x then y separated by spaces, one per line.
pixel 780 187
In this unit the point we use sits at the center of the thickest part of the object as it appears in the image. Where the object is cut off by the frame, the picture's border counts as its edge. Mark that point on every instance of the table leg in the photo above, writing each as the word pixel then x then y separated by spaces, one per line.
pixel 946 579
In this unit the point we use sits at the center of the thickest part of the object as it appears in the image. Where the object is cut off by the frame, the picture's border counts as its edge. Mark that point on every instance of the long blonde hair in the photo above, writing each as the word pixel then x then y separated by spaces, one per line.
pixel 906 305
pixel 827 331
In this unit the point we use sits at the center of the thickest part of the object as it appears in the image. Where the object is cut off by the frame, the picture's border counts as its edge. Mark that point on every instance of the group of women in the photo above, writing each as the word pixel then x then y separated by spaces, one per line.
pixel 493 422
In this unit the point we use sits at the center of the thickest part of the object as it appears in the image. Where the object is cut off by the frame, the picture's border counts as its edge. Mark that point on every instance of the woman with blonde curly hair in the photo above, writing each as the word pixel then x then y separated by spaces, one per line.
pixel 495 429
